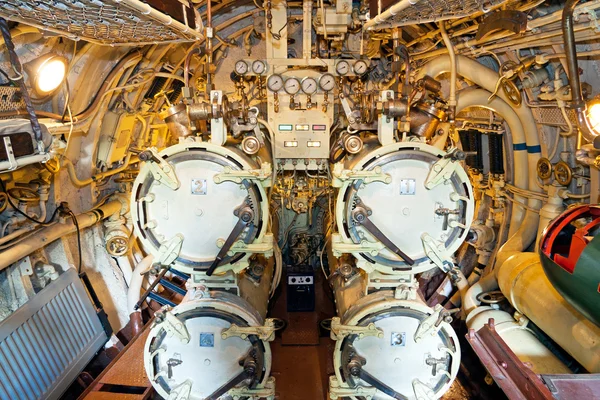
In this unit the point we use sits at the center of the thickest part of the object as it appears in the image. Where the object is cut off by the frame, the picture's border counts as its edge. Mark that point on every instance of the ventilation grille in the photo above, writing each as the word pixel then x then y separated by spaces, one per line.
pixel 422 11
pixel 47 342
pixel 114 22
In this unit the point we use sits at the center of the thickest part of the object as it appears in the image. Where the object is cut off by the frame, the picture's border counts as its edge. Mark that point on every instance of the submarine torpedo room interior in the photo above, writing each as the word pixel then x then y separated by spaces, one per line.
pixel 299 200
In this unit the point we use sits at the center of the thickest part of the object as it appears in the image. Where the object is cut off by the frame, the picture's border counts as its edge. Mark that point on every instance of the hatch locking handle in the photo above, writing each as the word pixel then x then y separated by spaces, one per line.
pixel 361 214
pixel 250 368
pixel 355 366
pixel 246 217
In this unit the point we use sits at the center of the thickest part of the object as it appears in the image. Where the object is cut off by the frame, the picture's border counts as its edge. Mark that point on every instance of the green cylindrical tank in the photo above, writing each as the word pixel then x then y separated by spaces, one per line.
pixel 570 254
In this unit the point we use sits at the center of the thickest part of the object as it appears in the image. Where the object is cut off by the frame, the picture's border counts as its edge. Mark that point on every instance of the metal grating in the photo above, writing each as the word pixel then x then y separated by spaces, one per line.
pixel 407 12
pixel 112 22
pixel 11 99
pixel 46 343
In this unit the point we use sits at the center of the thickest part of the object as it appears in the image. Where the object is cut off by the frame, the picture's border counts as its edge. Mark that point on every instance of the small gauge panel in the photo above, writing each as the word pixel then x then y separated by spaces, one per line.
pixel 342 67
pixel 309 85
pixel 275 83
pixel 327 82
pixel 292 86
pixel 360 67
pixel 259 67
pixel 241 67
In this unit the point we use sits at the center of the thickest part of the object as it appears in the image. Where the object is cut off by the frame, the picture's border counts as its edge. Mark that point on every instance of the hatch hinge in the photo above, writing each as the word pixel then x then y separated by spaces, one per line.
pixel 339 331
pixel 161 170
pixel 265 332
pixel 431 325
pixel 340 175
pixel 169 250
pixel 339 247
pixel 264 246
pixel 444 168
pixel 262 175
pixel 172 325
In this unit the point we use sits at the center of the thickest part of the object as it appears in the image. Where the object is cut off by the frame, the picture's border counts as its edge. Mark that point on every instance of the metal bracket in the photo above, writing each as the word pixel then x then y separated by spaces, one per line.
pixel 267 392
pixel 444 168
pixel 339 247
pixel 181 392
pixel 423 391
pixel 218 134
pixel 162 171
pixel 385 124
pixel 237 176
pixel 169 251
pixel 339 331
pixel 376 175
pixel 337 392
pixel 437 252
pixel 175 327
pixel 264 247
pixel 431 325
pixel 265 332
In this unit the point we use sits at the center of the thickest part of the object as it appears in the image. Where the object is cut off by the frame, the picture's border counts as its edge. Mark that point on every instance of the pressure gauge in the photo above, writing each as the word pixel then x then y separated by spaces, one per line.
pixel 241 67
pixel 327 82
pixel 292 86
pixel 309 85
pixel 259 67
pixel 342 67
pixel 360 67
pixel 275 83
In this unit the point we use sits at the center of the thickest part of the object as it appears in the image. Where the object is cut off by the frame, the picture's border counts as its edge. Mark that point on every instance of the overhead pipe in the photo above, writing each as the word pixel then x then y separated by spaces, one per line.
pixel 389 14
pixel 487 78
pixel 49 234
pixel 577 101
pixel 523 281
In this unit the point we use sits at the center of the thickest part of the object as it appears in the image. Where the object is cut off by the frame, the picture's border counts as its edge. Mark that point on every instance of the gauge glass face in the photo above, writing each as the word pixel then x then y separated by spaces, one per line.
pixel 241 67
pixel 275 83
pixel 259 67
pixel 360 67
pixel 327 82
pixel 309 85
pixel 342 67
pixel 292 86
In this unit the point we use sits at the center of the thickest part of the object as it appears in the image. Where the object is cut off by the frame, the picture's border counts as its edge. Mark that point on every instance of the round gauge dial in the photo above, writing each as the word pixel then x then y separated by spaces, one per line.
pixel 309 85
pixel 259 67
pixel 292 86
pixel 275 83
pixel 342 67
pixel 360 67
pixel 241 67
pixel 327 82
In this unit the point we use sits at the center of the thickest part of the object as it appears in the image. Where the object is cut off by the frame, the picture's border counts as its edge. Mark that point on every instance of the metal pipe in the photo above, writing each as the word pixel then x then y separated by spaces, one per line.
pixel 389 13
pixel 453 74
pixel 49 234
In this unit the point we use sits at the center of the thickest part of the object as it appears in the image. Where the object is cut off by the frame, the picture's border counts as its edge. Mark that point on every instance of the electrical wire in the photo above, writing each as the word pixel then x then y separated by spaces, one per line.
pixel 18 210
pixel 74 218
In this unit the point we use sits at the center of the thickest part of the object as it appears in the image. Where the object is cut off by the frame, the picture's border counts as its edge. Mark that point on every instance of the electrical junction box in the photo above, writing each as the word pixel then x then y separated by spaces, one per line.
pixel 300 291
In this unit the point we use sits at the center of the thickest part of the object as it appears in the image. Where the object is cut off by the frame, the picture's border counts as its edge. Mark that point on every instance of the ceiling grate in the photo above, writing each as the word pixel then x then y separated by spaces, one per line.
pixel 411 12
pixel 112 22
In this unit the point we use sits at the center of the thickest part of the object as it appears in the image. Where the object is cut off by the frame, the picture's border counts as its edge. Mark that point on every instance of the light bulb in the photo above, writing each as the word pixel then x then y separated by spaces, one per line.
pixel 594 116
pixel 50 74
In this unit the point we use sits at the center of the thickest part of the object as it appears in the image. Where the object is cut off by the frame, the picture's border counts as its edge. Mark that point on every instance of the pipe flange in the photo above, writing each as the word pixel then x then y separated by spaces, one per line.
pixel 352 144
pixel 544 168
pixel 250 145
pixel 563 173
pixel 493 297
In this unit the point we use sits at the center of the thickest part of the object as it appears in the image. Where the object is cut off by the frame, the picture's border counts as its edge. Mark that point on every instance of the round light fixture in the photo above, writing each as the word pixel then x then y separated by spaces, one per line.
pixel 48 73
pixel 593 114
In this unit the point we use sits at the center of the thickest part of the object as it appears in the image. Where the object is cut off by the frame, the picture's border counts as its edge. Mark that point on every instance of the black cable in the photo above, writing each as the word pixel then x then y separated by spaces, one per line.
pixel 78 237
pixel 45 223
